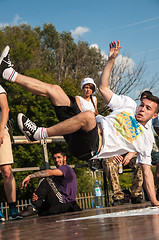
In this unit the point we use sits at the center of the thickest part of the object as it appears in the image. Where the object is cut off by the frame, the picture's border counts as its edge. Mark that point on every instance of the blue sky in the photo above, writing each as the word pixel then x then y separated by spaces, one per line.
pixel 134 22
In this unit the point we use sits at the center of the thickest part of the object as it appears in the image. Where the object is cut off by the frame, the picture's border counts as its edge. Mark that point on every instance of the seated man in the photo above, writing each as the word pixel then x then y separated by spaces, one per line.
pixel 57 190
pixel 89 137
pixel 110 166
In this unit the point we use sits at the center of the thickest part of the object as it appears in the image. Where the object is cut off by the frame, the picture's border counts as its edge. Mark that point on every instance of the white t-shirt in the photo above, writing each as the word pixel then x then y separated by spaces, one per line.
pixel 87 105
pixel 2 91
pixel 122 133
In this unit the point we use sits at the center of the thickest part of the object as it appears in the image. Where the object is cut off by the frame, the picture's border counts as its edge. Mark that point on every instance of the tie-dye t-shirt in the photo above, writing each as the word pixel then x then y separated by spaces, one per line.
pixel 122 133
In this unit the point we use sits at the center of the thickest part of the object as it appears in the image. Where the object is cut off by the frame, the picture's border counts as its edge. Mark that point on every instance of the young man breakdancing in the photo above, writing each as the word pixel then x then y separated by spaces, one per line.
pixel 87 136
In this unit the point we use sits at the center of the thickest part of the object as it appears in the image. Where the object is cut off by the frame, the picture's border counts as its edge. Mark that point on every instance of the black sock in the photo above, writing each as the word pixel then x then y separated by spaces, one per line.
pixel 12 205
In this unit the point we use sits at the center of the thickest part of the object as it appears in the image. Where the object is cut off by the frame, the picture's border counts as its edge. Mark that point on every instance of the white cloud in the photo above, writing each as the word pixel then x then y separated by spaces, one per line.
pixel 79 31
pixel 94 45
pixel 15 21
pixel 125 61
pixel 120 60
pixel 104 54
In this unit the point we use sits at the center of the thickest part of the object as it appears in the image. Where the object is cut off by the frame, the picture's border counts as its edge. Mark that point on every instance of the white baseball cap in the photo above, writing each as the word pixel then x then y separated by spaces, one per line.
pixel 86 81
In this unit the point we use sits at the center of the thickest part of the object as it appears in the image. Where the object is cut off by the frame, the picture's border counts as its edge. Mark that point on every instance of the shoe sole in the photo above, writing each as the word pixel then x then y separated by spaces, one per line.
pixel 4 53
pixel 29 214
pixel 16 218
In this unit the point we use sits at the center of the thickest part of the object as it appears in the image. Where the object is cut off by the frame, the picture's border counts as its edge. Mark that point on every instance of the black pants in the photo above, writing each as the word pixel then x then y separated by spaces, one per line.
pixel 83 145
pixel 50 199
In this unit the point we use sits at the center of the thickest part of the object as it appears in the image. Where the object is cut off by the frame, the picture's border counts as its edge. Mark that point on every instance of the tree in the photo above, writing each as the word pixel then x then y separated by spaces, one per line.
pixel 24 46
pixel 89 61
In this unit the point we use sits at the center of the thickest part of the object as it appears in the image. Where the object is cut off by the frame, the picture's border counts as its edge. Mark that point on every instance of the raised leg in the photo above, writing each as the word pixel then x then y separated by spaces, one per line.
pixel 84 120
pixel 54 92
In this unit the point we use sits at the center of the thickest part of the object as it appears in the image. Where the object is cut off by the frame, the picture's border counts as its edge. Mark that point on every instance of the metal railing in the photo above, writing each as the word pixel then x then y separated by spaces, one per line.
pixel 43 143
pixel 46 165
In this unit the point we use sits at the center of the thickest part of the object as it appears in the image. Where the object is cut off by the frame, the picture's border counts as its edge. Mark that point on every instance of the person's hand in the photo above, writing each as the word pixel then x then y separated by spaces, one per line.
pixel 128 157
pixel 118 158
pixel 25 182
pixel 114 50
pixel 35 197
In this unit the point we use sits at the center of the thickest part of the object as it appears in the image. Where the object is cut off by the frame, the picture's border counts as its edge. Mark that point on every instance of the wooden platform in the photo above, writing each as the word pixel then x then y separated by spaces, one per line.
pixel 106 223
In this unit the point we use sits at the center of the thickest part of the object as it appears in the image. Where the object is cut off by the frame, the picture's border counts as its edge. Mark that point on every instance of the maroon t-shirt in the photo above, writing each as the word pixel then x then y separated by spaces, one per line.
pixel 67 183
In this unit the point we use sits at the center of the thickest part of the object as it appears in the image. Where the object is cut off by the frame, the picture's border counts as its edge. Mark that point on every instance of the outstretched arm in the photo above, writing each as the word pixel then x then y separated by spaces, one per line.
pixel 41 174
pixel 149 184
pixel 103 84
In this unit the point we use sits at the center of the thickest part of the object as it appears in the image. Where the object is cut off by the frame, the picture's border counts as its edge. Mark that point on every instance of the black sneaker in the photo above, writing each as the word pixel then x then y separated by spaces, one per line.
pixel 5 61
pixel 28 211
pixel 136 200
pixel 14 214
pixel 27 126
pixel 95 164
pixel 118 202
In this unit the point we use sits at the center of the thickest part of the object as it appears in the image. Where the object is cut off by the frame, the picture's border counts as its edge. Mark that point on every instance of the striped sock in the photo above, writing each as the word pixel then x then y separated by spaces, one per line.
pixel 40 133
pixel 9 74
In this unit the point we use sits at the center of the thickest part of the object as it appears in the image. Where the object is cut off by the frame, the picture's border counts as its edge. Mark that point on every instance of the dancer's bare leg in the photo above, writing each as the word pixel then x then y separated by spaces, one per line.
pixel 84 120
pixel 54 92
